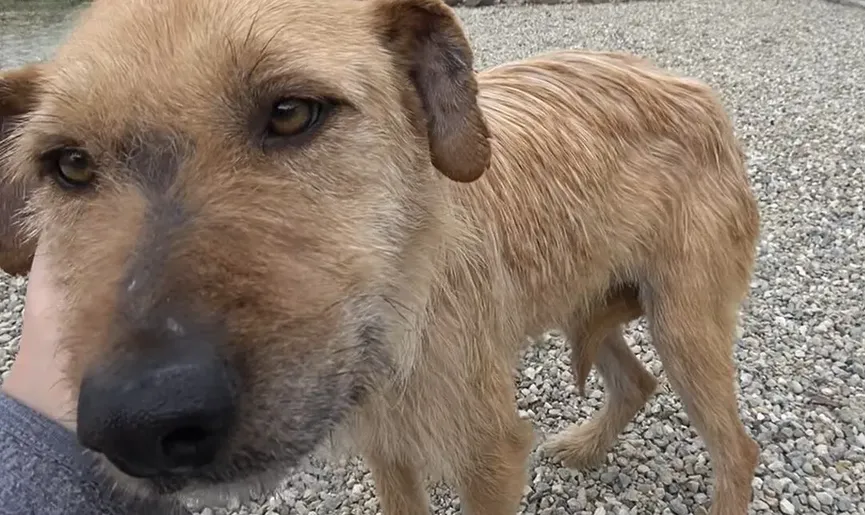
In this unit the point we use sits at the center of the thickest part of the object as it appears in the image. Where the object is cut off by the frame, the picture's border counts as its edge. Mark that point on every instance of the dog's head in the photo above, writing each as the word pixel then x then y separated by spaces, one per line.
pixel 232 195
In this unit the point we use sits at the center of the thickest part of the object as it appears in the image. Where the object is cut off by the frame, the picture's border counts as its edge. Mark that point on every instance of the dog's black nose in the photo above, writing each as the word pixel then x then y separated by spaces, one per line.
pixel 160 415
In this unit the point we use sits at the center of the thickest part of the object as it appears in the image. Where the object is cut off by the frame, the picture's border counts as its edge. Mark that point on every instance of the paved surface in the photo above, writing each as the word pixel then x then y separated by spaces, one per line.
pixel 793 74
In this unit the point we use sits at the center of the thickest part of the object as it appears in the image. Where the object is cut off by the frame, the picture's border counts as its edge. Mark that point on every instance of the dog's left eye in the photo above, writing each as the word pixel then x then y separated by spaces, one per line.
pixel 293 117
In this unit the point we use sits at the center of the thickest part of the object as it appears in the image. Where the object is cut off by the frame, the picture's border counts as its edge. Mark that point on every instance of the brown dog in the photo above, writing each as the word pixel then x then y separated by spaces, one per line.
pixel 277 220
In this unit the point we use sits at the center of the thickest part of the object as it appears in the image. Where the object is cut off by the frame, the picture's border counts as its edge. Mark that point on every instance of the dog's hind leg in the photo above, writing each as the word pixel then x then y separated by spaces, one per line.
pixel 692 317
pixel 628 385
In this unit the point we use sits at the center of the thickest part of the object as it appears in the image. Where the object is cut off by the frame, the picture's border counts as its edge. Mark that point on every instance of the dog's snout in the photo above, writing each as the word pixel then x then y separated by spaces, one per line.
pixel 159 415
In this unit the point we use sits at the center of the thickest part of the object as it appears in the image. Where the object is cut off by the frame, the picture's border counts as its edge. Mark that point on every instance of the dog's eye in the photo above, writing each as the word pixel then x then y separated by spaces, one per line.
pixel 73 168
pixel 292 117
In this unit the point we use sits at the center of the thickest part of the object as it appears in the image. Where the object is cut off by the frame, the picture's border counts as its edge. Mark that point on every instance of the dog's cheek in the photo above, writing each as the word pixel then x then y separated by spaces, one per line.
pixel 294 399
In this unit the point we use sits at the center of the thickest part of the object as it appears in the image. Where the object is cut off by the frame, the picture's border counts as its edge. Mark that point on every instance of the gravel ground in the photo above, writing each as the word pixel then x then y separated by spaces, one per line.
pixel 793 75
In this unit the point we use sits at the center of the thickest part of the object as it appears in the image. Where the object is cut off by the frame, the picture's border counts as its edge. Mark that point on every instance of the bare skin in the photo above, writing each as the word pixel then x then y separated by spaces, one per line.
pixel 36 377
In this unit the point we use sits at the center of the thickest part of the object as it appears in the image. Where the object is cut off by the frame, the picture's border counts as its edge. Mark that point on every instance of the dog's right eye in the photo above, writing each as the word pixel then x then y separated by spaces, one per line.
pixel 71 168
pixel 292 118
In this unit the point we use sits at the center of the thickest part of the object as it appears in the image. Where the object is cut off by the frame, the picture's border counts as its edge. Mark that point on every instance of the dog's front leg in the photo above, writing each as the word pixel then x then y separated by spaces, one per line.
pixel 494 479
pixel 399 487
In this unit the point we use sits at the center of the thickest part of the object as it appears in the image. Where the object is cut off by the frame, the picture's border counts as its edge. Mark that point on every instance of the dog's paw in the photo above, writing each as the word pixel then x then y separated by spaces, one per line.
pixel 577 447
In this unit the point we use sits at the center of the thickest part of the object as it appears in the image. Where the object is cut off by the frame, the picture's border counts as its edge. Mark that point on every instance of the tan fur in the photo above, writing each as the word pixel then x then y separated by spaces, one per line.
pixel 614 190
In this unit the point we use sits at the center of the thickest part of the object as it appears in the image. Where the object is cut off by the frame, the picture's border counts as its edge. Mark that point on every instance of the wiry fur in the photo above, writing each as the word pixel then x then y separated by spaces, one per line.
pixel 381 280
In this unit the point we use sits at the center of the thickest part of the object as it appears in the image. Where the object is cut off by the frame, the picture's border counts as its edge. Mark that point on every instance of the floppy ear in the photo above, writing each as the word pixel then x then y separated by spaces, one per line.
pixel 19 93
pixel 429 45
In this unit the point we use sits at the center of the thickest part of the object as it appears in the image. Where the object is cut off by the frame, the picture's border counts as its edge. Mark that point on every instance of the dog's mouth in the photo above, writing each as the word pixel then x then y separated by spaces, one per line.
pixel 196 488
pixel 247 460
pixel 190 408
pixel 169 485
pixel 279 423
pixel 192 482
pixel 261 446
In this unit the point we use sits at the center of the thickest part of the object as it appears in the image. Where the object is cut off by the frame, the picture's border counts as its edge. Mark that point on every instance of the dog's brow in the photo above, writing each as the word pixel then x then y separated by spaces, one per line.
pixel 45 142
pixel 278 83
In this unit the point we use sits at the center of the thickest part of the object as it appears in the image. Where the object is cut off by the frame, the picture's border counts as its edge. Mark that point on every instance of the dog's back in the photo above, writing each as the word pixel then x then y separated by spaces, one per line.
pixel 601 163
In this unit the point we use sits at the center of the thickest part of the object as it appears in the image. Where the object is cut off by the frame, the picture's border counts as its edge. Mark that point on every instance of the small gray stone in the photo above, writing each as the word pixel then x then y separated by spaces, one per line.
pixel 825 498
pixel 678 507
pixel 796 386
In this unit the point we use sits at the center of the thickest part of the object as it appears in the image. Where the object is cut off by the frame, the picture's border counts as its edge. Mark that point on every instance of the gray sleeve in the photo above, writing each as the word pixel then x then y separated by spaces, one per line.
pixel 44 471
